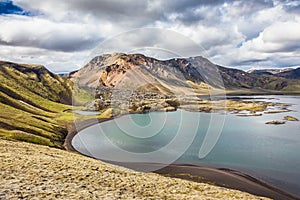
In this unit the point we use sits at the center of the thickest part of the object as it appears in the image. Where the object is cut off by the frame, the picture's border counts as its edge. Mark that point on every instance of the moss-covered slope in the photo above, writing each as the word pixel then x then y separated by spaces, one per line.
pixel 32 104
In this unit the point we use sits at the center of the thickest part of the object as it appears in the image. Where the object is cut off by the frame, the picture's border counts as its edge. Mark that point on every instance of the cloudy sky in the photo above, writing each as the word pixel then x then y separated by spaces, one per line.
pixel 62 34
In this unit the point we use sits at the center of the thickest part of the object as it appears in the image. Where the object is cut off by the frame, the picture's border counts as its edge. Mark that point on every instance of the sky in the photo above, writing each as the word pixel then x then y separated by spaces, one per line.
pixel 62 35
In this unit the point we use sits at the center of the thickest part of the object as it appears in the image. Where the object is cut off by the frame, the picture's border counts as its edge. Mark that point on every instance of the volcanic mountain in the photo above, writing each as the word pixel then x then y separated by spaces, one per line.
pixel 288 73
pixel 268 71
pixel 178 75
pixel 291 74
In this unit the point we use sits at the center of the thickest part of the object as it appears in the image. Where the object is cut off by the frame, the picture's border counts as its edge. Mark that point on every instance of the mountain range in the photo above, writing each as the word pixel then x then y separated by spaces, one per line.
pixel 288 73
pixel 179 75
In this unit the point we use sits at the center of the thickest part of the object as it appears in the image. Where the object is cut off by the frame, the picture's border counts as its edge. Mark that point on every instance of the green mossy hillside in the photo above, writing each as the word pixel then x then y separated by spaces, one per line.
pixel 34 104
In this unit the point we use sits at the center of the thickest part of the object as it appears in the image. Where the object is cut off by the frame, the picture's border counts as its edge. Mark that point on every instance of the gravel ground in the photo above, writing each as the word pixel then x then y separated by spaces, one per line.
pixel 31 171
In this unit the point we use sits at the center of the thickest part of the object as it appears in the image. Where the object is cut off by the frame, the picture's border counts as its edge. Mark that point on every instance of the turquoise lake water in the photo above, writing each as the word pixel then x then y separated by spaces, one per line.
pixel 246 144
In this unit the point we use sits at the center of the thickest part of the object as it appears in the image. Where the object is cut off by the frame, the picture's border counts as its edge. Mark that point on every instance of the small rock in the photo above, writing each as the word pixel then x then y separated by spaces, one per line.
pixel 290 118
pixel 275 122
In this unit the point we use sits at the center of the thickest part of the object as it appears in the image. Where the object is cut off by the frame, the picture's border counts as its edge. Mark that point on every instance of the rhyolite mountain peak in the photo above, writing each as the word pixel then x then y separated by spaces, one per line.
pixel 183 75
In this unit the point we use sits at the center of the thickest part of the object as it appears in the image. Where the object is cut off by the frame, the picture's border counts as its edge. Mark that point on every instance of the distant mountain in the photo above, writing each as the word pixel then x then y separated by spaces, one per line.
pixel 63 74
pixel 268 71
pixel 291 74
pixel 288 73
pixel 186 75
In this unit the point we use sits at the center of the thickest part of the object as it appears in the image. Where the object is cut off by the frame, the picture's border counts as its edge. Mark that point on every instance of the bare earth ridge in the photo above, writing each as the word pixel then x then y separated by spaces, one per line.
pixel 38 172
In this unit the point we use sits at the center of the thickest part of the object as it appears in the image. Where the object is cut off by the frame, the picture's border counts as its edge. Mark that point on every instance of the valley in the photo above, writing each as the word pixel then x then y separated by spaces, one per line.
pixel 38 106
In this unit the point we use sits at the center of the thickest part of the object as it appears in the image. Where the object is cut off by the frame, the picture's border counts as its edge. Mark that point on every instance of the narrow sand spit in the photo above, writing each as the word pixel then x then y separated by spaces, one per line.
pixel 32 171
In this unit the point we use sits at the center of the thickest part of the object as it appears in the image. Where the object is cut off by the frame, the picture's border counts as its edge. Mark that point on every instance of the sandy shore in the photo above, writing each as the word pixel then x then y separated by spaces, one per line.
pixel 29 171
pixel 226 178
pixel 222 177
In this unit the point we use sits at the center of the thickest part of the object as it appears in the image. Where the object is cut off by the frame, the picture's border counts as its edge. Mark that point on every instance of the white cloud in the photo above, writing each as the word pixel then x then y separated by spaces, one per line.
pixel 282 32
pixel 54 60
pixel 279 40
pixel 46 34
pixel 233 32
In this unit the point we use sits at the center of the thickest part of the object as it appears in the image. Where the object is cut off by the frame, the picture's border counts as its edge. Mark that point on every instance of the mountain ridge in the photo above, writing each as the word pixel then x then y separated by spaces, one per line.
pixel 58 89
pixel 291 74
pixel 32 100
pixel 114 70
pixel 268 71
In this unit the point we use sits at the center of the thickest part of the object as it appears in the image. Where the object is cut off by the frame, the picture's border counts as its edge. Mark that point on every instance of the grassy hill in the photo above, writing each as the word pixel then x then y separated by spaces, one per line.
pixel 32 104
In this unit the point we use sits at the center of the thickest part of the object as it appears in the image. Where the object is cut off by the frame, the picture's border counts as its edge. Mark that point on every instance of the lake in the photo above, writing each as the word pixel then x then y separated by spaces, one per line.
pixel 268 152
pixel 86 113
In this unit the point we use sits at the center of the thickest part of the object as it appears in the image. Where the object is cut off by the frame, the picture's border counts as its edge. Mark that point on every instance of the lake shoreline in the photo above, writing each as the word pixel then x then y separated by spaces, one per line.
pixel 227 178
pixel 32 171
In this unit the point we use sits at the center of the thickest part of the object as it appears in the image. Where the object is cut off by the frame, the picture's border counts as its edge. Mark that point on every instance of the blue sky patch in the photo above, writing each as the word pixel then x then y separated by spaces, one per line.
pixel 8 7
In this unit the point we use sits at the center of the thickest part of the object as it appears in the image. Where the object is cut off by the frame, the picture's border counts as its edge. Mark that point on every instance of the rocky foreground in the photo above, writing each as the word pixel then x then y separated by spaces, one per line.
pixel 29 171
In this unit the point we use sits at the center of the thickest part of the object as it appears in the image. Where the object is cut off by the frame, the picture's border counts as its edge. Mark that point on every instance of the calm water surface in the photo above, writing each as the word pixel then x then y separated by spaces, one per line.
pixel 247 144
